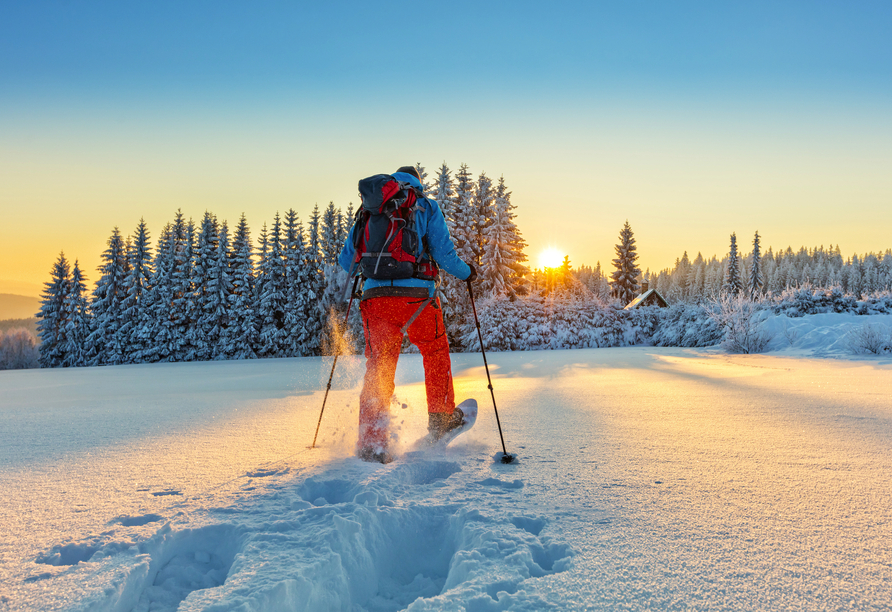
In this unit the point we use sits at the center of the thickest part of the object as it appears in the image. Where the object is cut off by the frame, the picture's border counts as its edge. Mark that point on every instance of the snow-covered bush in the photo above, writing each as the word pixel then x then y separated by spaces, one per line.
pixel 742 322
pixel 684 324
pixel 871 338
pixel 18 350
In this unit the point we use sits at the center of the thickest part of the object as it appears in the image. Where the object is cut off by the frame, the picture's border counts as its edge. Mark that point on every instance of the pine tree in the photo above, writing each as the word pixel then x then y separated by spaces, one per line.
pixel 181 303
pixel 483 200
pixel 271 286
pixel 463 214
pixel 240 334
pixel 155 331
pixel 732 278
pixel 104 342
pixel 137 286
pixel 625 278
pixel 756 280
pixel 444 194
pixel 78 326
pixel 217 312
pixel 422 174
pixel 204 296
pixel 331 246
pixel 314 232
pixel 53 316
pixel 502 269
pixel 295 292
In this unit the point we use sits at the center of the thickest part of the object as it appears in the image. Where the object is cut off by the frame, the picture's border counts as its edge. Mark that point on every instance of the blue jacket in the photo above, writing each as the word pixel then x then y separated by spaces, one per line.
pixel 431 223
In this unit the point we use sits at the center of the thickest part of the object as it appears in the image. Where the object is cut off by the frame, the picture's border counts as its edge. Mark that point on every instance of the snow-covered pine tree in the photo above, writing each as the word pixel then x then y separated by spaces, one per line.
pixel 313 308
pixel 52 318
pixel 205 295
pixel 104 342
pixel 78 326
pixel 331 246
pixel 756 280
pixel 625 279
pixel 496 268
pixel 240 335
pixel 516 244
pixel 295 294
pixel 314 234
pixel 426 186
pixel 463 215
pixel 444 193
pixel 271 286
pixel 155 330
pixel 137 286
pixel 463 231
pixel 181 304
pixel 733 284
pixel 217 312
pixel 484 197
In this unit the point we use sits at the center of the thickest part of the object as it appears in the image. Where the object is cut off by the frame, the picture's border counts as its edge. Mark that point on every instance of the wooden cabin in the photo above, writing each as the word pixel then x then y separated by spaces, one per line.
pixel 648 297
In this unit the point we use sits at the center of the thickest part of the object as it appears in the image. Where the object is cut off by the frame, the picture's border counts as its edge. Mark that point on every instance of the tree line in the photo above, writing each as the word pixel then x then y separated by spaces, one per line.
pixel 203 292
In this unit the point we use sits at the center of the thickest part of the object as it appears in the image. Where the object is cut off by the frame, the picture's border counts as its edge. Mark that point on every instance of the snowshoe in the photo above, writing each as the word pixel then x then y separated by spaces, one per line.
pixel 370 454
pixel 443 428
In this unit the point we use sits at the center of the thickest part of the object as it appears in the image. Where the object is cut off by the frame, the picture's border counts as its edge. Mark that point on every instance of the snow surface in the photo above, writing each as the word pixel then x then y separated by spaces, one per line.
pixel 647 478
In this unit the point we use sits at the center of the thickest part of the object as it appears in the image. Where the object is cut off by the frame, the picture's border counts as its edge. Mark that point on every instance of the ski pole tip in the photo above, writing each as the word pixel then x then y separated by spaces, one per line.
pixel 506 457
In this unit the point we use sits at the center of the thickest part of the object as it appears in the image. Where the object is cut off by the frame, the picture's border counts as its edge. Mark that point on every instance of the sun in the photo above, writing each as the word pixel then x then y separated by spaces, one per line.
pixel 551 258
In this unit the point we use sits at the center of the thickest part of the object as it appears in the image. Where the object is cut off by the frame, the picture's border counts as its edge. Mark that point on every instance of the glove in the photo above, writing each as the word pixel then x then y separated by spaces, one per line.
pixel 473 275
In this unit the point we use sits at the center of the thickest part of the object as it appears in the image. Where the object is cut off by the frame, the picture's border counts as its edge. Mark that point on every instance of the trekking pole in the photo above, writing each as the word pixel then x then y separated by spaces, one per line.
pixel 334 363
pixel 506 458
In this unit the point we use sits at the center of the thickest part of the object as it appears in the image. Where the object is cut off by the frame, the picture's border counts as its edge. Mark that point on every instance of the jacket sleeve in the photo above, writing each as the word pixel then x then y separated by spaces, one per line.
pixel 348 253
pixel 440 244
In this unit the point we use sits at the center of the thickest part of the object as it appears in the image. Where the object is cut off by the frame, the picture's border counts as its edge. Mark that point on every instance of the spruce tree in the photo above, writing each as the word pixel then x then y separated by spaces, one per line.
pixel 240 334
pixel 271 287
pixel 733 283
pixel 78 326
pixel 329 242
pixel 181 303
pixel 501 253
pixel 444 194
pixel 218 305
pixel 756 280
pixel 482 202
pixel 516 244
pixel 204 298
pixel 422 177
pixel 53 316
pixel 625 279
pixel 104 342
pixel 137 286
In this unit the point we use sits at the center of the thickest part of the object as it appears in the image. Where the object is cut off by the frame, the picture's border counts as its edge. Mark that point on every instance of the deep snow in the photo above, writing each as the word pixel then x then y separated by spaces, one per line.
pixel 648 478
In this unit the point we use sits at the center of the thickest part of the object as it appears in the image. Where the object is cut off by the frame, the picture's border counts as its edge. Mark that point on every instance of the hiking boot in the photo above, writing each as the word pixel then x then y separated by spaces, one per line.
pixel 370 454
pixel 440 423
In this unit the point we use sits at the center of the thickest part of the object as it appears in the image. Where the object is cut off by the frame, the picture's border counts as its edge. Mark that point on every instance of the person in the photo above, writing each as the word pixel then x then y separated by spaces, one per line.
pixel 386 307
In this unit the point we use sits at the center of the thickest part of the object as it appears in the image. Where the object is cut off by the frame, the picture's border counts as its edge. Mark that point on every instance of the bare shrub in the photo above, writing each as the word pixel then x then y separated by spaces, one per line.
pixel 739 318
pixel 790 334
pixel 18 350
pixel 870 339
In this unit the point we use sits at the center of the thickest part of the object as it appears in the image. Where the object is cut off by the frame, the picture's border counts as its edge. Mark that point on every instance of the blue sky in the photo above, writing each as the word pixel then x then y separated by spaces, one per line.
pixel 690 119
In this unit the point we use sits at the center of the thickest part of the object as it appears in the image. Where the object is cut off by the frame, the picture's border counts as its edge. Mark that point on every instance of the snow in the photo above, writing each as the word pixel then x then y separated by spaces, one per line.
pixel 647 478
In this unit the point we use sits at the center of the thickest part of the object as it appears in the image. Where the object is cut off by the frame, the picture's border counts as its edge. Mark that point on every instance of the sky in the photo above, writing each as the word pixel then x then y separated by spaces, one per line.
pixel 691 120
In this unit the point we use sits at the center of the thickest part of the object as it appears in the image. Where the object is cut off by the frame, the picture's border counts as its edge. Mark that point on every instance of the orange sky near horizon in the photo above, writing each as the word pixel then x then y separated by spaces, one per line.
pixel 684 177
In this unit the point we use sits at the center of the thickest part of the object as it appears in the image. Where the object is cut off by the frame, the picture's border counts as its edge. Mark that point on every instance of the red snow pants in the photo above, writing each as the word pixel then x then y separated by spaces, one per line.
pixel 382 320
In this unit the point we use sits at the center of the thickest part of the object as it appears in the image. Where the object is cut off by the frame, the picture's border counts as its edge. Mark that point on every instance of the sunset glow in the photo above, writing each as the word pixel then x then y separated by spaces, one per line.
pixel 551 258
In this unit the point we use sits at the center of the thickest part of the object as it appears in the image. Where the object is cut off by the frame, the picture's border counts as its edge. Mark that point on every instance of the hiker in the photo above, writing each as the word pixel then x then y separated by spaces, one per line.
pixel 400 297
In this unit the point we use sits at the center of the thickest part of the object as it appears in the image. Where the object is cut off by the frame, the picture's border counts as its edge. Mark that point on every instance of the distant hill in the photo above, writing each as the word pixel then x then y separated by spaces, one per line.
pixel 18 306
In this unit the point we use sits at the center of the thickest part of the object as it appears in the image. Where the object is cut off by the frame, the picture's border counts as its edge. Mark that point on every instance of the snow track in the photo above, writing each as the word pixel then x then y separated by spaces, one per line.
pixel 338 541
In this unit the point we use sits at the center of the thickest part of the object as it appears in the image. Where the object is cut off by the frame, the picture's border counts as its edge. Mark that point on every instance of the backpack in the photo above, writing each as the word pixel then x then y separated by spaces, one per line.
pixel 385 234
